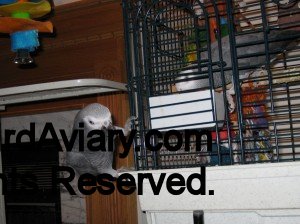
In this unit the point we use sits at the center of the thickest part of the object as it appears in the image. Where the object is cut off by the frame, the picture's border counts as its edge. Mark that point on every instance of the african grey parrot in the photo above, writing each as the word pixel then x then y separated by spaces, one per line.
pixel 94 116
pixel 255 61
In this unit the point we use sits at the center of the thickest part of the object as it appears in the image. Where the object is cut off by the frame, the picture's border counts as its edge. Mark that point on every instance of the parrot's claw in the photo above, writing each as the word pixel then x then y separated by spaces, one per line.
pixel 129 121
pixel 229 94
pixel 127 127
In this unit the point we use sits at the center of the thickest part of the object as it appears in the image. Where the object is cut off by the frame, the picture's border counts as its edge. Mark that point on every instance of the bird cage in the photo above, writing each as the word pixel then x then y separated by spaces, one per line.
pixel 229 69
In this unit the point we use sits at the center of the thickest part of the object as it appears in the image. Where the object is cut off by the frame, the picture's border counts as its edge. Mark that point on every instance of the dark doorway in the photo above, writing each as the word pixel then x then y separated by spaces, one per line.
pixel 30 197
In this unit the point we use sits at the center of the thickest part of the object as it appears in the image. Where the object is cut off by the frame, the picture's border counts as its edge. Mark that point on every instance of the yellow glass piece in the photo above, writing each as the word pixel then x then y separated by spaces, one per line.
pixel 192 57
pixel 35 9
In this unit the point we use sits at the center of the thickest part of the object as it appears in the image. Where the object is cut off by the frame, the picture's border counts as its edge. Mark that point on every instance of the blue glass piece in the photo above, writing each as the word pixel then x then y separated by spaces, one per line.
pixel 223 21
pixel 7 2
pixel 24 40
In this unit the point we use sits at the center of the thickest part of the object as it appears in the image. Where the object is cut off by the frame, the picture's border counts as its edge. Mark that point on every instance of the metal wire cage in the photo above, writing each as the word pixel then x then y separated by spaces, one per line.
pixel 229 67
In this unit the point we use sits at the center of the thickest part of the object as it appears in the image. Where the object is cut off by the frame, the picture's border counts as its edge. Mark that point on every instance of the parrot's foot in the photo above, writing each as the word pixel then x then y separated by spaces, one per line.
pixel 127 126
pixel 229 94
pixel 256 76
pixel 260 75
pixel 246 76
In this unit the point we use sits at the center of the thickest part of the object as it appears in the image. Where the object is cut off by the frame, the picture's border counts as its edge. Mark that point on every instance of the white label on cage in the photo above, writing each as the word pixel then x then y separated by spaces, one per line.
pixel 186 110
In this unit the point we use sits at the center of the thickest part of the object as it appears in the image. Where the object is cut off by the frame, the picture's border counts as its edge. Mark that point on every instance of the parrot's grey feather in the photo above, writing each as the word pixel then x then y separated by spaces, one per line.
pixel 192 72
pixel 79 162
pixel 93 116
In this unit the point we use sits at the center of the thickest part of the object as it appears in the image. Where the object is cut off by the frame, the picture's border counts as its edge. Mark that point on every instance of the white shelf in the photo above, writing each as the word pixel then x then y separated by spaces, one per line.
pixel 57 90
pixel 266 193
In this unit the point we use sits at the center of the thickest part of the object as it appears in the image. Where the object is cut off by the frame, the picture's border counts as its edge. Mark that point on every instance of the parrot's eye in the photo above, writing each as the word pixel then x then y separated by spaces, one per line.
pixel 91 122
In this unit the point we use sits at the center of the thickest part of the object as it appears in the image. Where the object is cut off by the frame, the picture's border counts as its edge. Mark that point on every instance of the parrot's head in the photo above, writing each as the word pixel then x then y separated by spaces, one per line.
pixel 94 116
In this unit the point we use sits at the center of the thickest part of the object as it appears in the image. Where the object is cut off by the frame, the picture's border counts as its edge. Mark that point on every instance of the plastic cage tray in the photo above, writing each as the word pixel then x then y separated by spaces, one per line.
pixel 57 90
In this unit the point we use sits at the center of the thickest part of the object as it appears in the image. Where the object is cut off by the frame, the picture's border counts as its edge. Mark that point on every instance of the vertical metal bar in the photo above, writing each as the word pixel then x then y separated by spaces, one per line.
pixel 266 30
pixel 144 84
pixel 2 204
pixel 168 37
pixel 219 40
pixel 148 71
pixel 276 141
pixel 290 119
pixel 137 77
pixel 235 75
pixel 198 217
pixel 128 60
pixel 209 54
pixel 198 47
pixel 156 59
